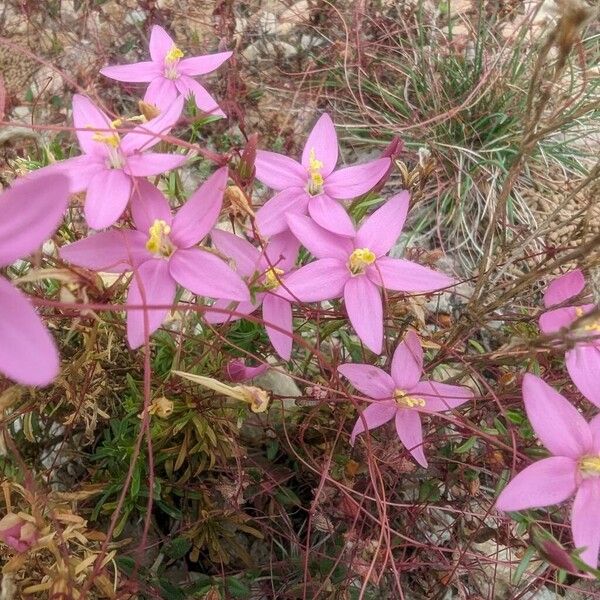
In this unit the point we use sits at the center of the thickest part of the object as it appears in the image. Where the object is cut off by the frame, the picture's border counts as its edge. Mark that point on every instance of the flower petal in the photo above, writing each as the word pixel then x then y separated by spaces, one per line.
pixel 200 65
pixel 322 279
pixel 331 215
pixel 365 311
pixel 595 429
pixel 380 231
pixel 564 287
pixel 153 163
pixel 407 363
pixel 30 212
pixel 140 72
pixel 410 432
pixel 107 197
pixel 205 274
pixel 157 288
pixel 88 120
pixel 160 44
pixel 369 380
pixel 544 483
pixel 271 216
pixel 28 353
pixel 78 170
pixel 199 214
pixel 323 142
pixel 278 311
pixel 282 251
pixel 552 321
pixel 556 421
pixel 402 275
pixel 278 171
pixel 217 318
pixel 112 251
pixel 441 396
pixel 161 92
pixel 320 242
pixel 375 415
pixel 357 180
pixel 148 204
pixel 204 101
pixel 585 520
pixel 583 365
pixel 243 253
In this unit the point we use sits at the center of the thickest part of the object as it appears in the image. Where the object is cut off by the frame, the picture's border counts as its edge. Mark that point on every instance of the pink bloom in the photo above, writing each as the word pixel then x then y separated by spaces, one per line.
pixel 30 212
pixel 109 165
pixel 18 533
pixel 357 267
pixel 263 271
pixel 171 75
pixel 401 395
pixel 237 370
pixel 162 253
pixel 583 360
pixel 313 186
pixel 573 468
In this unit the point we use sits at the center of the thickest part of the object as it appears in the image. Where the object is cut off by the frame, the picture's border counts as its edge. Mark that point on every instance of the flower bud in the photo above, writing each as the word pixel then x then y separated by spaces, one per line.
pixel 236 370
pixel 18 533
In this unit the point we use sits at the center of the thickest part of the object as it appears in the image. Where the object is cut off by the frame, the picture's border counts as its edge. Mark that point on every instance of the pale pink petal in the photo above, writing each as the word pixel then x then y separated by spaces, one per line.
pixel 373 416
pixel 278 311
pixel 380 230
pixel 107 196
pixel 323 141
pixel 30 213
pixel 152 163
pixel 161 92
pixel 199 65
pixel 160 44
pixel 544 483
pixel 205 274
pixel 369 380
pixel 595 429
pixel 242 308
pixel 282 251
pixel 148 204
pixel 28 354
pixel 320 242
pixel 199 214
pixel 204 101
pixel 583 365
pixel 271 216
pixel 410 432
pixel 441 396
pixel 585 520
pixel 357 180
pixel 112 251
pixel 88 120
pixel 151 285
pixel 365 311
pixel 564 287
pixel 140 72
pixel 78 170
pixel 552 321
pixel 278 171
pixel 237 370
pixel 555 420
pixel 407 363
pixel 245 256
pixel 331 215
pixel 322 279
pixel 402 275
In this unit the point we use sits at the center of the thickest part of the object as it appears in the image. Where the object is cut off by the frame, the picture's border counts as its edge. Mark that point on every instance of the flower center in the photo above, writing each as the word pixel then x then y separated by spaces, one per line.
pixel 592 326
pixel 158 239
pixel 589 466
pixel 315 179
pixel 272 278
pixel 403 400
pixel 360 259
pixel 171 62
pixel 112 141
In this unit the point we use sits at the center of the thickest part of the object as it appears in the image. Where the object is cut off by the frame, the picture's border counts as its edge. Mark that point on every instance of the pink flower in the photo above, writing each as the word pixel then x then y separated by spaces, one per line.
pixel 357 267
pixel 162 253
pixel 169 74
pixel 263 271
pixel 30 212
pixel 17 532
pixel 401 395
pixel 313 186
pixel 237 370
pixel 573 468
pixel 109 165
pixel 583 360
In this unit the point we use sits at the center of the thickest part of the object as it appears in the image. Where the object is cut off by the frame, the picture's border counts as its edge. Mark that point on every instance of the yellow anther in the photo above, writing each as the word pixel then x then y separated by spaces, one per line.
pixel 158 239
pixel 116 123
pixel 360 259
pixel 174 54
pixel 272 278
pixel 111 139
pixel 590 465
pixel 592 325
pixel 315 184
pixel 403 400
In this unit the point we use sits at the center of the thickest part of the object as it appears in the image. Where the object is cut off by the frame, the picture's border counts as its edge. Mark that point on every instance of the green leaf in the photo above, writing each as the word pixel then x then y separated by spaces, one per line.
pixel 529 554
pixel 466 446
pixel 178 547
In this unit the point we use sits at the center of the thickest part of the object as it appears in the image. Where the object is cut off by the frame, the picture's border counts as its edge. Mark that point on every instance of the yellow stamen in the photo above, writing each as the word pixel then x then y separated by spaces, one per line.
pixel 158 239
pixel 360 259
pixel 315 184
pixel 590 465
pixel 403 400
pixel 591 326
pixel 272 278
pixel 112 139
pixel 174 54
